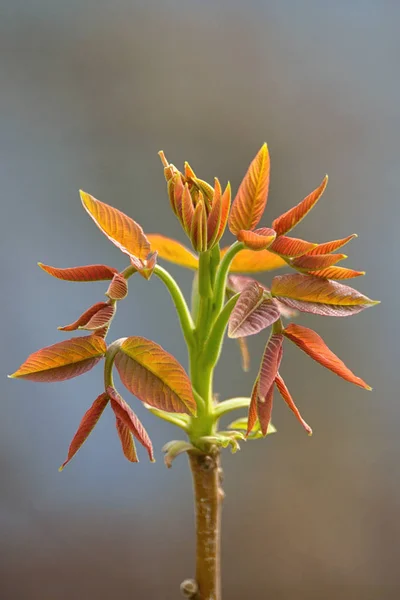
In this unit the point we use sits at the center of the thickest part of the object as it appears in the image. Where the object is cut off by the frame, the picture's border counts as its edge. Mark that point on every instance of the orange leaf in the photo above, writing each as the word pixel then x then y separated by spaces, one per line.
pixel 312 344
pixel 154 376
pixel 284 392
pixel 118 288
pixel 292 217
pixel 329 247
pixel 96 317
pixel 214 218
pixel 124 412
pixel 288 246
pixel 63 360
pixel 260 239
pixel 86 273
pixel 121 230
pixel 307 288
pixel 317 261
pixel 198 233
pixel 86 426
pixel 173 251
pixel 225 207
pixel 126 438
pixel 337 273
pixel 250 201
pixel 85 317
pixel 187 210
pixel 248 261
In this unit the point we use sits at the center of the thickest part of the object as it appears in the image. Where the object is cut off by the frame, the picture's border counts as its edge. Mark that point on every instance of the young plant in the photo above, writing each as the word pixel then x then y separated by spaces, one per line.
pixel 222 300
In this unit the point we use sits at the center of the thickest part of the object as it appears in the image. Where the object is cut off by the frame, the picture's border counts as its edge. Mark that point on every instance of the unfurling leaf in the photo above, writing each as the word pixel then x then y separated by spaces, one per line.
pixel 264 409
pixel 319 296
pixel 316 262
pixel 337 273
pixel 121 230
pixel 86 273
pixel 260 239
pixel 312 344
pixel 175 448
pixel 118 288
pixel 248 261
pixel 250 201
pixel 254 311
pixel 97 316
pixel 125 414
pixel 127 441
pixel 64 360
pixel 198 233
pixel 291 247
pixel 154 376
pixel 284 392
pixel 252 415
pixel 328 247
pixel 255 433
pixel 86 426
pixel 270 364
pixel 292 217
pixel 173 251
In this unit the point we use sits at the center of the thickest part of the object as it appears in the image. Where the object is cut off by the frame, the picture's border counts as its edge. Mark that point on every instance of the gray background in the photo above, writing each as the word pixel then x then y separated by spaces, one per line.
pixel 90 91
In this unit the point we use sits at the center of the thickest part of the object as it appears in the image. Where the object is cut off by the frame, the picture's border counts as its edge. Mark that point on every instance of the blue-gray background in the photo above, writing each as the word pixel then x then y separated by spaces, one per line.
pixel 90 91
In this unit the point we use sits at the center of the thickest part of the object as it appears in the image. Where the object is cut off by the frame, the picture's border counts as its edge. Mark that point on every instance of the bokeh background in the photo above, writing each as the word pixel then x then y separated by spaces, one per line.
pixel 90 91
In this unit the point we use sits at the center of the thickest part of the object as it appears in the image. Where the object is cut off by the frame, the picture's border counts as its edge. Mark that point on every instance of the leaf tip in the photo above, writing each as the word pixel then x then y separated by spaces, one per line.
pixel 13 376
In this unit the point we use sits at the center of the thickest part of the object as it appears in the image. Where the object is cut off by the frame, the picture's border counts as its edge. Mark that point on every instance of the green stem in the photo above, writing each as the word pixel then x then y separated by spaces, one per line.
pixel 222 274
pixel 229 405
pixel 109 362
pixel 182 309
pixel 213 345
pixel 170 418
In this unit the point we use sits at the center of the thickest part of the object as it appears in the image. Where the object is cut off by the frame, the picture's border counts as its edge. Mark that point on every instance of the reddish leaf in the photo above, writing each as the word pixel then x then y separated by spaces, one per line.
pixel 126 438
pixel 252 417
pixel 290 247
pixel 317 261
pixel 198 233
pixel 284 392
pixel 118 288
pixel 329 247
pixel 260 239
pixel 237 283
pixel 250 201
pixel 312 344
pixel 225 207
pixel 337 273
pixel 63 360
pixel 86 426
pixel 148 265
pixel 154 376
pixel 318 292
pixel 292 217
pixel 264 409
pixel 124 412
pixel 248 261
pixel 253 312
pixel 187 210
pixel 270 364
pixel 96 317
pixel 214 218
pixel 121 230
pixel 85 317
pixel 173 251
pixel 86 273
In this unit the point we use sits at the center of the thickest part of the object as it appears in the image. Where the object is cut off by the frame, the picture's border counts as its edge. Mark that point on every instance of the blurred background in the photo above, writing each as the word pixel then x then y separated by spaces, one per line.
pixel 90 91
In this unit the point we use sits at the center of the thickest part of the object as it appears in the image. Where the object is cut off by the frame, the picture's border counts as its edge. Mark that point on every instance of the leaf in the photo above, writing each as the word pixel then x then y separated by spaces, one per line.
pixel 250 201
pixel 86 426
pixel 337 273
pixel 241 425
pixel 292 217
pixel 62 361
pixel 154 376
pixel 328 247
pixel 214 218
pixel 187 210
pixel 175 448
pixel 284 392
pixel 173 251
pixel 237 283
pixel 312 344
pixel 270 364
pixel 96 317
pixel 317 262
pixel 252 415
pixel 147 267
pixel 264 409
pixel 225 207
pixel 253 312
pixel 198 233
pixel 121 230
pixel 319 296
pixel 86 273
pixel 248 261
pixel 260 239
pixel 118 288
pixel 124 413
pixel 290 247
pixel 127 442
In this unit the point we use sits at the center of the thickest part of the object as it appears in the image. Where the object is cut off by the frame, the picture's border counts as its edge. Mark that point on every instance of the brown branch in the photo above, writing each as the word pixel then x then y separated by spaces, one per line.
pixel 206 474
